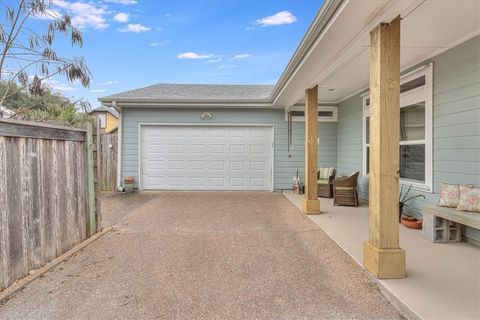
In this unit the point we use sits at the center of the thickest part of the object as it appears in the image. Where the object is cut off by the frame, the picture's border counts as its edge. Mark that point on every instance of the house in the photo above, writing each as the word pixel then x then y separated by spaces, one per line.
pixel 339 89
pixel 107 118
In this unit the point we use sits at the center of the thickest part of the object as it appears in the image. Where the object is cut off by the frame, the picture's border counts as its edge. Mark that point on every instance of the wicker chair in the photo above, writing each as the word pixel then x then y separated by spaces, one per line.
pixel 345 190
pixel 325 182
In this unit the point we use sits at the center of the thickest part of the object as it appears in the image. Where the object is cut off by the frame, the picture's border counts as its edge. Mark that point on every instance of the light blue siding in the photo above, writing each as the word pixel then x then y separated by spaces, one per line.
pixel 456 126
pixel 284 166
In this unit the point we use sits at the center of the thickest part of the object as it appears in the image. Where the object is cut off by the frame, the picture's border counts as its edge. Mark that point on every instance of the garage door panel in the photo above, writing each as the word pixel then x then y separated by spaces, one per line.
pixel 238 133
pixel 258 149
pixel 196 182
pixel 217 149
pixel 257 166
pixel 258 181
pixel 197 165
pixel 237 165
pixel 176 165
pixel 261 133
pixel 216 165
pixel 198 149
pixel 237 149
pixel 206 157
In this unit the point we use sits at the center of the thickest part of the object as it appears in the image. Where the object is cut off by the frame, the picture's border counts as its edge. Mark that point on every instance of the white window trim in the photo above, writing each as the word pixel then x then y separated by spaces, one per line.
pixel 333 118
pixel 416 95
pixel 102 119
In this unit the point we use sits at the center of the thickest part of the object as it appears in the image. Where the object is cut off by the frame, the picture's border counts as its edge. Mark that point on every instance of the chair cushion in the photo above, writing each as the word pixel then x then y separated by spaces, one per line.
pixel 325 173
pixel 469 199
pixel 449 195
pixel 344 188
pixel 322 181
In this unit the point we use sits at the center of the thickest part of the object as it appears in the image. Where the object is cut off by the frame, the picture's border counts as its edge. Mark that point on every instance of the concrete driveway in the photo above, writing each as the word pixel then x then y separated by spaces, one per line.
pixel 205 255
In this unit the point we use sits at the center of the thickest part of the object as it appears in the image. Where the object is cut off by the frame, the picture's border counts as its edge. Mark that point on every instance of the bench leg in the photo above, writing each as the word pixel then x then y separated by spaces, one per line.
pixel 439 230
pixel 429 227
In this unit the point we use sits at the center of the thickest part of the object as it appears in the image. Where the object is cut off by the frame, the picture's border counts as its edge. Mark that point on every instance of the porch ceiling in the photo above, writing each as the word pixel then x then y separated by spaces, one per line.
pixel 339 60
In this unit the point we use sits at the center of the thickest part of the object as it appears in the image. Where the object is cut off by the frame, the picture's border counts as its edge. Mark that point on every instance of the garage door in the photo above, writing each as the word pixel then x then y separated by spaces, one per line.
pixel 206 157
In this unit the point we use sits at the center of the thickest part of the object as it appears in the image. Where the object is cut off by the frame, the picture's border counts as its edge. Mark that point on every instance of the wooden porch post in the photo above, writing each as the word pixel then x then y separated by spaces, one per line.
pixel 311 205
pixel 382 255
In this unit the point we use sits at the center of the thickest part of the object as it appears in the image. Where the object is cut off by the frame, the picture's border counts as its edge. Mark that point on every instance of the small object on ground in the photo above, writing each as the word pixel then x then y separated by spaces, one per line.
pixel 297 184
pixel 411 222
pixel 128 183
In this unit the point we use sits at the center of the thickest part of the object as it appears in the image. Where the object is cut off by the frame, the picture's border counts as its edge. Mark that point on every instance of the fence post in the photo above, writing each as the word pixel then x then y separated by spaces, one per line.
pixel 91 214
pixel 97 135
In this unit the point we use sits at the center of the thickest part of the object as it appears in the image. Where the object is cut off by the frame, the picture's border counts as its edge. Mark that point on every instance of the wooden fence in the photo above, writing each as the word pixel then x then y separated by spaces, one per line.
pixel 108 161
pixel 47 194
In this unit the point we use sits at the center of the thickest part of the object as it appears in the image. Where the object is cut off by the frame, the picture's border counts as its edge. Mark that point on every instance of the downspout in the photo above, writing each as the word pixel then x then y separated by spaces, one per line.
pixel 119 148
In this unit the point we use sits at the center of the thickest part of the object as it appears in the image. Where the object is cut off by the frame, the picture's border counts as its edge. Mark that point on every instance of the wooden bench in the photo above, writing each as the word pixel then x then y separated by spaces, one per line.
pixel 441 224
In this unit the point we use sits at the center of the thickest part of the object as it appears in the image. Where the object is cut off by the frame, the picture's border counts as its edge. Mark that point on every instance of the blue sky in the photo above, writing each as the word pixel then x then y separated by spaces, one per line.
pixel 134 43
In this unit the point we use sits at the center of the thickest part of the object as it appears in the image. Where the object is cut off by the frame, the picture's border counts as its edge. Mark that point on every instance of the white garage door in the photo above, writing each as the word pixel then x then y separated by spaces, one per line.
pixel 206 157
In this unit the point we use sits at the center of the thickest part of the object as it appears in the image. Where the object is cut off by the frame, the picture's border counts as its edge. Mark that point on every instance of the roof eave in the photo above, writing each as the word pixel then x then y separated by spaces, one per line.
pixel 220 103
pixel 322 18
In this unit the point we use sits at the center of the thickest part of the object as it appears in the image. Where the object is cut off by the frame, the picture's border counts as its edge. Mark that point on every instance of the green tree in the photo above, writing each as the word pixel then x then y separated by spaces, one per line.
pixel 43 106
pixel 27 57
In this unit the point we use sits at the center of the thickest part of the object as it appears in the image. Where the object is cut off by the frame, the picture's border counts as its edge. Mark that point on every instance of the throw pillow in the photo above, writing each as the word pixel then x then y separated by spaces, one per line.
pixel 469 199
pixel 449 195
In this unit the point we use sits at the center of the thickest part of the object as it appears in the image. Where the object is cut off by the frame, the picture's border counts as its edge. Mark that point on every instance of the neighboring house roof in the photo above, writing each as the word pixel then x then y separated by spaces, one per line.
pixel 105 109
pixel 194 92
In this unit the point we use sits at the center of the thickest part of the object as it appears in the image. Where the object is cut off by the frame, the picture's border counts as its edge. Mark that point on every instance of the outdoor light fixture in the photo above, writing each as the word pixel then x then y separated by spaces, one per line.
pixel 206 116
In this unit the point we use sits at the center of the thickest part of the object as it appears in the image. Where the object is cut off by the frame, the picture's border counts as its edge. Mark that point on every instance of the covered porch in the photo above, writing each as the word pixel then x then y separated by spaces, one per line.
pixel 405 85
pixel 442 279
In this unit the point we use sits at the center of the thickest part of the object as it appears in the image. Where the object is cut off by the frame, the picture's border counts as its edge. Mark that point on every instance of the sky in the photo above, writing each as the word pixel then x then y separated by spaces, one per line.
pixel 130 44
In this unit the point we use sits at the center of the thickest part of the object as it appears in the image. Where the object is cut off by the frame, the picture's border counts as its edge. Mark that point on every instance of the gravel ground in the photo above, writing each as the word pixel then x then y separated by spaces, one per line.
pixel 116 205
pixel 205 255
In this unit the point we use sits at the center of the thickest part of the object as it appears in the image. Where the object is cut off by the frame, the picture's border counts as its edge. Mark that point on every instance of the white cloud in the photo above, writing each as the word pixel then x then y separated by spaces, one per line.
pixel 279 18
pixel 108 83
pixel 161 43
pixel 193 55
pixel 84 15
pixel 98 90
pixel 121 17
pixel 123 1
pixel 249 28
pixel 242 56
pixel 57 86
pixel 214 60
pixel 227 66
pixel 135 27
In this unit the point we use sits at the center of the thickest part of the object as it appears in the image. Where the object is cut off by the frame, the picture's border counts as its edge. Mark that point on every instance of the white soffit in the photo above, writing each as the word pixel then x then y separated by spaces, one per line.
pixel 340 59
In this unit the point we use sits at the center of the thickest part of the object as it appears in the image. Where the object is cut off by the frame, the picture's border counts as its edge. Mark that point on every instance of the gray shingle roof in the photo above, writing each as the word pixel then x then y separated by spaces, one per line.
pixel 164 91
pixel 107 109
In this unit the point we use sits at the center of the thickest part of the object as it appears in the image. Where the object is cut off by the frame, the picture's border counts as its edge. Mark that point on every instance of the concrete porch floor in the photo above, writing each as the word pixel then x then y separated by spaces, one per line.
pixel 443 280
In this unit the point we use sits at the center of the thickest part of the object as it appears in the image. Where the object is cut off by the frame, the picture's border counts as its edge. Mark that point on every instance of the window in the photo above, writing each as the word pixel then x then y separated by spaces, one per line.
pixel 325 114
pixel 415 129
pixel 102 120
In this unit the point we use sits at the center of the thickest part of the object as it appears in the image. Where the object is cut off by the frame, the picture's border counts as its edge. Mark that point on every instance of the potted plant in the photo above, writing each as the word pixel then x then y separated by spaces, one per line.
pixel 409 222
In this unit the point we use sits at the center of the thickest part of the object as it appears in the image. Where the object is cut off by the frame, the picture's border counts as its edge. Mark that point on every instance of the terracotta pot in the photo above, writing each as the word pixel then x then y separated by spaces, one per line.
pixel 128 179
pixel 411 223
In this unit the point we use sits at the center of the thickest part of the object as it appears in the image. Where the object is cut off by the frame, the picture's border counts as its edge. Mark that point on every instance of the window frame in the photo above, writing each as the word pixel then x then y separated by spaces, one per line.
pixel 102 120
pixel 333 118
pixel 408 98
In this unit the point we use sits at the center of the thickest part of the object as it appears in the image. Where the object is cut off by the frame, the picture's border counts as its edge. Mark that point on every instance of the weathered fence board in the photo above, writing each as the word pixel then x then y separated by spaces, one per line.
pixel 9 128
pixel 44 208
pixel 108 154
